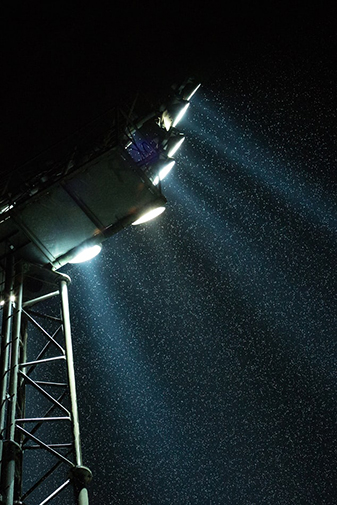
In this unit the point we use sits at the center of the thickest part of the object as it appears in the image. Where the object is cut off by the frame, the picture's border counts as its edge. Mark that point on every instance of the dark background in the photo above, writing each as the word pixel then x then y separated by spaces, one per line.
pixel 63 65
pixel 205 341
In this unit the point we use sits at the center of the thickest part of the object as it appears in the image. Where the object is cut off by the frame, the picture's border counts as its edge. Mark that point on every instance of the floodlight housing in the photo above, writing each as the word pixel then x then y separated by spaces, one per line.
pixel 150 214
pixel 180 112
pixel 86 253
pixel 61 211
pixel 189 89
pixel 159 170
pixel 174 113
pixel 84 207
pixel 92 189
pixel 174 142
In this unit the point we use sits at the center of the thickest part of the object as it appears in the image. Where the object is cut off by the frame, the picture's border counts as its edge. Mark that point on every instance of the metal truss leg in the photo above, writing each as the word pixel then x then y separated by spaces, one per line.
pixel 12 447
pixel 81 474
pixel 5 354
pixel 47 373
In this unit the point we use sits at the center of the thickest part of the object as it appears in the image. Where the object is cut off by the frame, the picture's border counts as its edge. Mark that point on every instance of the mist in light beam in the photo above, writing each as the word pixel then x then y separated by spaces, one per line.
pixel 271 167
pixel 209 332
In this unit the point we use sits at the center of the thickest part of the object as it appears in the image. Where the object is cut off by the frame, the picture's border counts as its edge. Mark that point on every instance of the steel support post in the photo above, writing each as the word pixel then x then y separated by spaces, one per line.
pixel 5 353
pixel 81 475
pixel 12 447
pixel 54 397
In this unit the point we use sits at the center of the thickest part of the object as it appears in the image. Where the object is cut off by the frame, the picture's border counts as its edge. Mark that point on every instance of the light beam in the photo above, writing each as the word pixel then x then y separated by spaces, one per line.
pixel 86 253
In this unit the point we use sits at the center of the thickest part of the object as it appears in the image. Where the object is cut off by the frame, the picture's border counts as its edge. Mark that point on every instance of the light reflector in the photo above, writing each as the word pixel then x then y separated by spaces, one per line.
pixel 163 171
pixel 173 114
pixel 151 214
pixel 173 144
pixel 86 253
pixel 189 90
pixel 181 113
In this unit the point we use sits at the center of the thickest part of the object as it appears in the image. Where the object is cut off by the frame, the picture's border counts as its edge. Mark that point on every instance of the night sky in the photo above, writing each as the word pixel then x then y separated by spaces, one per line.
pixel 205 340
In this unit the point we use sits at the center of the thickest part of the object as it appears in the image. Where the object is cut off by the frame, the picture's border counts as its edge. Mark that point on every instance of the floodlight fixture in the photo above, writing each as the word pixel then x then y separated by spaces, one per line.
pixel 151 214
pixel 166 169
pixel 159 170
pixel 180 112
pixel 100 182
pixel 173 143
pixel 189 89
pixel 173 114
pixel 86 253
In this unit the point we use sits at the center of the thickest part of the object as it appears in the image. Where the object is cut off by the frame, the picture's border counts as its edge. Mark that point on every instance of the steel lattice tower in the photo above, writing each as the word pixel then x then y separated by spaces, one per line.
pixel 103 179
pixel 38 395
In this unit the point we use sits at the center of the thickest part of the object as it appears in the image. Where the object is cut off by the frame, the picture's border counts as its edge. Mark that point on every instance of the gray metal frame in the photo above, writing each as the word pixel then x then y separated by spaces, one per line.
pixel 40 446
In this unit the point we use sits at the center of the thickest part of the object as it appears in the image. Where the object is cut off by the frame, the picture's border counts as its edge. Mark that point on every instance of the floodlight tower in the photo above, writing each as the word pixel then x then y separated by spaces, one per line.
pixel 97 184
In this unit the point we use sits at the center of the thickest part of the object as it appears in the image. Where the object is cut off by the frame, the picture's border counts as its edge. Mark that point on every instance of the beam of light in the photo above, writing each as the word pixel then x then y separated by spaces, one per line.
pixel 135 390
pixel 166 309
pixel 264 282
pixel 225 139
pixel 151 214
pixel 190 299
pixel 86 254
pixel 208 235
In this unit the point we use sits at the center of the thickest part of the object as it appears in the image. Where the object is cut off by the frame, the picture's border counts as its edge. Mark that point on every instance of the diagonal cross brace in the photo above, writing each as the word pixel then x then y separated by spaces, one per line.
pixel 44 393
pixel 45 446
pixel 45 333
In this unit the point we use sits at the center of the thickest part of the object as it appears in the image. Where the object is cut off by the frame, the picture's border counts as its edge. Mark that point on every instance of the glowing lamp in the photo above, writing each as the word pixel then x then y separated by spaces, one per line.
pixel 189 90
pixel 180 112
pixel 86 253
pixel 151 214
pixel 174 143
pixel 160 169
pixel 174 113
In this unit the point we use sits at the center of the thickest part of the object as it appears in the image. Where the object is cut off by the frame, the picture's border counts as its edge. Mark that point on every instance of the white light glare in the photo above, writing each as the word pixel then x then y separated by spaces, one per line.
pixel 173 114
pixel 190 90
pixel 151 214
pixel 166 169
pixel 180 114
pixel 86 253
pixel 176 143
pixel 11 299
